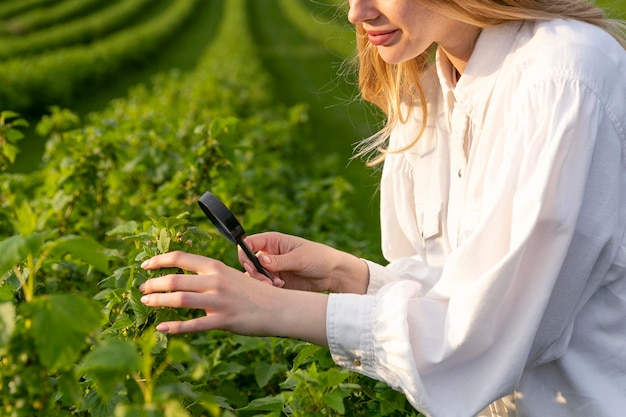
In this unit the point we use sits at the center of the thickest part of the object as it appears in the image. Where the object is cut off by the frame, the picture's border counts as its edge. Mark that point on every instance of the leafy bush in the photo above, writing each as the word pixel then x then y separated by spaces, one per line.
pixel 9 136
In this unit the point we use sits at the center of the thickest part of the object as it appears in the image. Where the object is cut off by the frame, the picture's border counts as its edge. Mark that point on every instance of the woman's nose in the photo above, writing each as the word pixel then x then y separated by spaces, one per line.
pixel 361 10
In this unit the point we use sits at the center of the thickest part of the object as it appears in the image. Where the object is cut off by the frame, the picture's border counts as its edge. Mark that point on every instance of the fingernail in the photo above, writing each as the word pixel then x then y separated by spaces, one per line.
pixel 265 259
pixel 248 268
pixel 163 328
pixel 145 263
pixel 145 299
pixel 142 288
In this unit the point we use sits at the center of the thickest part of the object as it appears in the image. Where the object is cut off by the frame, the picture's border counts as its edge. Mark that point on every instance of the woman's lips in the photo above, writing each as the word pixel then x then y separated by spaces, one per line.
pixel 379 38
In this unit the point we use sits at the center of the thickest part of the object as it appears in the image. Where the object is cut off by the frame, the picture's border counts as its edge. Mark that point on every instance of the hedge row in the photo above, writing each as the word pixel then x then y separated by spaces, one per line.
pixel 77 31
pixel 11 7
pixel 48 16
pixel 55 77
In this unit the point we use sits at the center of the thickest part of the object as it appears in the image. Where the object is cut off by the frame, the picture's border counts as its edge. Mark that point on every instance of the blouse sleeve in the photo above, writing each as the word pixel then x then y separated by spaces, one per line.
pixel 508 294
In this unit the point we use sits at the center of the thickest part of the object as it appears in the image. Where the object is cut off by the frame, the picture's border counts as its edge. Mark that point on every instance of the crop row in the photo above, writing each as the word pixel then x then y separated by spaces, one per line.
pixel 9 8
pixel 55 77
pixel 40 17
pixel 75 32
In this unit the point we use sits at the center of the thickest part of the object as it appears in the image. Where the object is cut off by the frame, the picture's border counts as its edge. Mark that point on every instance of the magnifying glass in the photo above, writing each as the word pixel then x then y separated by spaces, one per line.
pixel 227 224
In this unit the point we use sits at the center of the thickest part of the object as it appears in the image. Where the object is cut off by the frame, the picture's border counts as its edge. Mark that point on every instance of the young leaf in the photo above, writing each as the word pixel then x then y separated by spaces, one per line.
pixel 335 376
pixel 265 404
pixel 86 249
pixel 306 353
pixel 25 219
pixel 61 324
pixel 142 311
pixel 7 114
pixel 264 371
pixel 334 400
pixel 16 248
pixel 109 364
pixel 6 294
pixel 163 244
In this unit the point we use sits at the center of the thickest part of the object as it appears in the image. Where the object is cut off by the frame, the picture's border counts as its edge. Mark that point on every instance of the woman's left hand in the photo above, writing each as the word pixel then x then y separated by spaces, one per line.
pixel 232 300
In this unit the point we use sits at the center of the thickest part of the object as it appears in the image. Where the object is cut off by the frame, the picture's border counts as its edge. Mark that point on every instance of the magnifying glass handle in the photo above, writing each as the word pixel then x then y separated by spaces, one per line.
pixel 254 259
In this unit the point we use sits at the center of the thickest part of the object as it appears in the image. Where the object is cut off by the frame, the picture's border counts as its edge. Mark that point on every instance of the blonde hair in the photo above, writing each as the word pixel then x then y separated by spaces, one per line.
pixel 387 85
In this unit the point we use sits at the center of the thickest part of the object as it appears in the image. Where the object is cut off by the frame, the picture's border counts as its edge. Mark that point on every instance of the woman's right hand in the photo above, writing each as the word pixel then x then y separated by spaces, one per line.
pixel 301 264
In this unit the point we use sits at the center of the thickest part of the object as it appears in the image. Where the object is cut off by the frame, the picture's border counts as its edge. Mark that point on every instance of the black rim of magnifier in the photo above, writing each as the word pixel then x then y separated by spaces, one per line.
pixel 229 226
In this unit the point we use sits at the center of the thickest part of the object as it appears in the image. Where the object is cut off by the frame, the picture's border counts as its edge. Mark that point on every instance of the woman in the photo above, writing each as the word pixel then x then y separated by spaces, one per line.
pixel 503 211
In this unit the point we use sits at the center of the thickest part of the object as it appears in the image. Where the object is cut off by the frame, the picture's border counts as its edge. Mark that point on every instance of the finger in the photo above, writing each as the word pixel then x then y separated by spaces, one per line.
pixel 275 251
pixel 181 299
pixel 269 242
pixel 292 261
pixel 252 272
pixel 178 282
pixel 189 326
pixel 178 259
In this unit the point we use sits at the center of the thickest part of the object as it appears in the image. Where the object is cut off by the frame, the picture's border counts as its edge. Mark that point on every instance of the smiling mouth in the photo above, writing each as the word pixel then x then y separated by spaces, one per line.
pixel 381 38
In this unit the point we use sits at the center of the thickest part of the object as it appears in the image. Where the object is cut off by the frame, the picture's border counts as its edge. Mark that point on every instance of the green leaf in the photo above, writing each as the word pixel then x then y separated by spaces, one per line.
pixel 173 408
pixel 25 219
pixel 20 122
pixel 224 127
pixel 61 324
pixel 8 114
pixel 16 248
pixel 14 135
pixel 10 151
pixel 99 408
pixel 6 293
pixel 163 244
pixel 112 355
pixel 7 324
pixel 265 404
pixel 305 354
pixel 335 376
pixel 179 351
pixel 142 311
pixel 264 371
pixel 86 249
pixel 127 228
pixel 227 368
pixel 390 400
pixel 334 400
pixel 109 364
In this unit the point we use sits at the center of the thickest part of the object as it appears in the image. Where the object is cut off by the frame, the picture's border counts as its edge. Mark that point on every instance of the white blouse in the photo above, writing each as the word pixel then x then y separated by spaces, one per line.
pixel 504 228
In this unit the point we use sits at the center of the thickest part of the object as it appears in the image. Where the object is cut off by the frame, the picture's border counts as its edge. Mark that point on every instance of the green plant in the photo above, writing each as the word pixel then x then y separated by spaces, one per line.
pixel 9 137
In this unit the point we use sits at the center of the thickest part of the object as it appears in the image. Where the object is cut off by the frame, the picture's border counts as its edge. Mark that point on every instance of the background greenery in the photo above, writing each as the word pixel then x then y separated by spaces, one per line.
pixel 127 111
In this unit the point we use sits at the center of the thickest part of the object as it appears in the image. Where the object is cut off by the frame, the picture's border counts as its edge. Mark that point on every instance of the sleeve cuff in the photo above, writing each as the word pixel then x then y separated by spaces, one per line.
pixel 379 276
pixel 349 332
